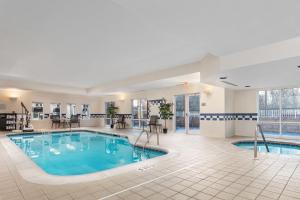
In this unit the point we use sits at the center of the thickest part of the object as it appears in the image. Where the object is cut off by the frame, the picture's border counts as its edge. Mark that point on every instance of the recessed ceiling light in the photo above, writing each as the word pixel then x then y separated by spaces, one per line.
pixel 223 77
pixel 248 86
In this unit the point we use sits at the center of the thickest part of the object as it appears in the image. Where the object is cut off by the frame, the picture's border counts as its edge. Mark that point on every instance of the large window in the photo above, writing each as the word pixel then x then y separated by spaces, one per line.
pixel 85 111
pixel 139 112
pixel 37 110
pixel 107 105
pixel 55 109
pixel 71 110
pixel 279 111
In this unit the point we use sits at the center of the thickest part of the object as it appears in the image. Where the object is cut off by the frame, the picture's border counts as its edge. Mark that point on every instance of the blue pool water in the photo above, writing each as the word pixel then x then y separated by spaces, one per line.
pixel 279 148
pixel 82 152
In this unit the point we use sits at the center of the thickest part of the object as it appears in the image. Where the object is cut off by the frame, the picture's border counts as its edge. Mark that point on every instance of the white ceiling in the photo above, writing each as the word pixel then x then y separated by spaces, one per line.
pixel 86 43
pixel 168 82
pixel 282 73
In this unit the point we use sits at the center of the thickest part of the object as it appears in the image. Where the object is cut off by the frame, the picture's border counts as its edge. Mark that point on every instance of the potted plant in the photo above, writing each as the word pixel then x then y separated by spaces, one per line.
pixel 165 110
pixel 111 112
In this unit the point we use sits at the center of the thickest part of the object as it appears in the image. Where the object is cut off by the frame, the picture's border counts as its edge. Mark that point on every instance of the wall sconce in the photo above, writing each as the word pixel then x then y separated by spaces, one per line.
pixel 208 90
pixel 13 94
pixel 186 86
pixel 122 97
pixel 13 98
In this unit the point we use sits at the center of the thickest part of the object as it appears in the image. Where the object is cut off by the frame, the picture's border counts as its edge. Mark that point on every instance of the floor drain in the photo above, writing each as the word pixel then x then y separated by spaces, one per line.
pixel 145 168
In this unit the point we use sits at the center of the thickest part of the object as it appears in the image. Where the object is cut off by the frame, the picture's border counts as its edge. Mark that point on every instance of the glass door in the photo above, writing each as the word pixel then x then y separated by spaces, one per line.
pixel 180 113
pixel 194 113
pixel 187 113
pixel 139 112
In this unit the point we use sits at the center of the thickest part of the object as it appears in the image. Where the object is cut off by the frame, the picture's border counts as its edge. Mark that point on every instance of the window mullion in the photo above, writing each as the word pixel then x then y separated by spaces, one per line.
pixel 280 112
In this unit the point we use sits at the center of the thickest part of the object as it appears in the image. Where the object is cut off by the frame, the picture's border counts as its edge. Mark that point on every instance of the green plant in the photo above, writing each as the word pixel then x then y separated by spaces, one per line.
pixel 111 112
pixel 165 110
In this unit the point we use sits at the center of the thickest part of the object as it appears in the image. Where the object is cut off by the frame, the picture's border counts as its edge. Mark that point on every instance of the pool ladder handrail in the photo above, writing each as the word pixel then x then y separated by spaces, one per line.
pixel 259 129
pixel 148 141
pixel 138 138
pixel 148 138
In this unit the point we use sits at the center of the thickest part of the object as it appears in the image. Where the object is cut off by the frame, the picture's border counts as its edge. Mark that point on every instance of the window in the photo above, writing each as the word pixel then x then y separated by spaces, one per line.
pixel 71 110
pixel 107 105
pixel 279 111
pixel 55 109
pixel 37 111
pixel 139 112
pixel 85 111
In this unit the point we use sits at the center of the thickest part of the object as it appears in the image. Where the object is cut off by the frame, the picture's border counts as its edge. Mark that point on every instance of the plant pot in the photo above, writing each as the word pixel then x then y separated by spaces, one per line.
pixel 111 126
pixel 165 130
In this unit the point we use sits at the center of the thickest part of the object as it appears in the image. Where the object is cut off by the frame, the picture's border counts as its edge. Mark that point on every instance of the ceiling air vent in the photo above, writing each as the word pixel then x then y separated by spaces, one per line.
pixel 229 83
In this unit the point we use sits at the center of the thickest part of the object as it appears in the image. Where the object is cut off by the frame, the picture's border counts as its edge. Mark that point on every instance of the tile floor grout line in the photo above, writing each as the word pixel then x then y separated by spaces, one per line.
pixel 6 158
pixel 288 181
pixel 236 195
pixel 262 173
pixel 150 181
pixel 259 194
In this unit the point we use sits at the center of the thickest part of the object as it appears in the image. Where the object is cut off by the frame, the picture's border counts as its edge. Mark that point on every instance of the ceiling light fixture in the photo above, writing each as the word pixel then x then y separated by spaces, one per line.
pixel 229 83
pixel 223 77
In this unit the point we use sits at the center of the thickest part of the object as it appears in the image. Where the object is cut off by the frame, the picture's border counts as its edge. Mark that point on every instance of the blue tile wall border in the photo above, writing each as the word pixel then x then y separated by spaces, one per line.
pixel 203 116
pixel 228 116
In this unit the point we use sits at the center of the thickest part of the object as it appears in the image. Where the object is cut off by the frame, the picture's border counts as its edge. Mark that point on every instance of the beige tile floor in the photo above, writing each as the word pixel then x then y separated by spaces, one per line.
pixel 205 168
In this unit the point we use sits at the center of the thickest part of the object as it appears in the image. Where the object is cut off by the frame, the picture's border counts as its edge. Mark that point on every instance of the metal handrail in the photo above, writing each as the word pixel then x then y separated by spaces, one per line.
pixel 148 138
pixel 263 137
pixel 259 129
pixel 255 143
pixel 143 131
pixel 148 141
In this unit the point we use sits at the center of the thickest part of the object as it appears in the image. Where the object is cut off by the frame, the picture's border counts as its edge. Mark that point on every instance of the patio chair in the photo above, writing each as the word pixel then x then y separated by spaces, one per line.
pixel 154 123
pixel 55 121
pixel 74 120
pixel 121 122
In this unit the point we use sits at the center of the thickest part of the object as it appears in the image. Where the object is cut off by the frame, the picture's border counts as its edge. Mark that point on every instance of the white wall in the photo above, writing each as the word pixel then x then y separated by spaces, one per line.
pixel 213 97
pixel 27 97
pixel 245 102
pixel 229 108
pixel 216 99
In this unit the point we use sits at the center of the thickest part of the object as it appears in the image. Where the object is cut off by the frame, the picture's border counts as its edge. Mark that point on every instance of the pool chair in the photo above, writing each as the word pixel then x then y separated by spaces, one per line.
pixel 55 121
pixel 121 122
pixel 74 120
pixel 154 123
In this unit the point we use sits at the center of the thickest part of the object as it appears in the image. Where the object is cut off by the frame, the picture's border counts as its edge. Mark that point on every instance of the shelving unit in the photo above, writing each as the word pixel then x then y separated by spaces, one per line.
pixel 8 121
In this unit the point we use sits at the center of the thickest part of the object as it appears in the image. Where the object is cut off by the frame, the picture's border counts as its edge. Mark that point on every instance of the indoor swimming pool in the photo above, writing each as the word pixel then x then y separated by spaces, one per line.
pixel 80 152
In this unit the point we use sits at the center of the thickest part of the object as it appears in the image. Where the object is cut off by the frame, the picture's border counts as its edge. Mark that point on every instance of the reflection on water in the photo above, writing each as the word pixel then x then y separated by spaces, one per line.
pixel 71 153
